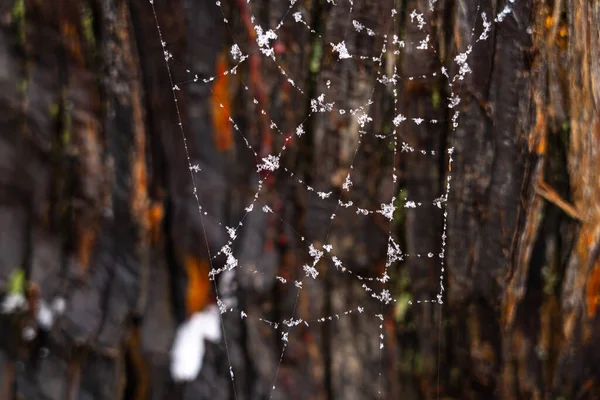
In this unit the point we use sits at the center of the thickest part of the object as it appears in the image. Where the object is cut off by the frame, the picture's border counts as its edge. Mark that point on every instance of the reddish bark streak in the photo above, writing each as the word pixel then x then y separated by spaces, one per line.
pixel 257 82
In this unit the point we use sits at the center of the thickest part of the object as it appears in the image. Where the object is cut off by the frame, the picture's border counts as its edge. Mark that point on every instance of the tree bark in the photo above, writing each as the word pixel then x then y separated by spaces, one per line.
pixel 98 199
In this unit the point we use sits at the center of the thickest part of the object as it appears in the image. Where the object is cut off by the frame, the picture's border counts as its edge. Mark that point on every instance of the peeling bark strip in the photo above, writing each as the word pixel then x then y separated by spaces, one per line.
pixel 96 208
pixel 554 269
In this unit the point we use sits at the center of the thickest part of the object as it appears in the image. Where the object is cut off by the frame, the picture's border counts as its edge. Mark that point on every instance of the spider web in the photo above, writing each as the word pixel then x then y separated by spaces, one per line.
pixel 322 254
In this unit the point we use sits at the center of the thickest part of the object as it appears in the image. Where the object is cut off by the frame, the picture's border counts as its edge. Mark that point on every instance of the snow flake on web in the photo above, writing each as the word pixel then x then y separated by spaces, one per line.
pixel 231 262
pixel 438 201
pixel 314 253
pixel 347 183
pixel 338 263
pixel 263 39
pixel 398 43
pixel 270 163
pixel 393 253
pixel 410 204
pixel 347 204
pixel 300 130
pixel 385 80
pixel 362 211
pixel 310 271
pixel 236 53
pixel 505 11
pixel 222 306
pixel 387 210
pixel 341 49
pixel 454 100
pixel 357 25
pixel 455 118
pixel 420 20
pixel 319 105
pixel 324 195
pixel 445 72
pixel 398 119
pixel 424 44
pixel 487 26
pixel 461 60
pixel 385 296
pixel 406 148
pixel 360 27
pixel 231 232
pixel 384 278
pixel 290 323
pixel 364 119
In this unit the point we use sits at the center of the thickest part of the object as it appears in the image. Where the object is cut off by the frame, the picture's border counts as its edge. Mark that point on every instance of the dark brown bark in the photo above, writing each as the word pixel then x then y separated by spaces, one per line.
pixel 97 203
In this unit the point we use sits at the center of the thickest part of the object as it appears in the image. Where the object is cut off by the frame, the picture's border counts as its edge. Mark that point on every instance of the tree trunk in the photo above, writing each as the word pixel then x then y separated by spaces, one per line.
pixel 122 172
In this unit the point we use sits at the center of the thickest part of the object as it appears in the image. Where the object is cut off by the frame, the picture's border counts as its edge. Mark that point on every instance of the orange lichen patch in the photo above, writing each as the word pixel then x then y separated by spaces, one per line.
pixel 72 42
pixel 155 217
pixel 510 310
pixel 140 185
pixel 592 295
pixel 563 31
pixel 135 356
pixel 139 202
pixel 569 326
pixel 221 106
pixel 562 39
pixel 198 286
pixel 537 140
pixel 85 244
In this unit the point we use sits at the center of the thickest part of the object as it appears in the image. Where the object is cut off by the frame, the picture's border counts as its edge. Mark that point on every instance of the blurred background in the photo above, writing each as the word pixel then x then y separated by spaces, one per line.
pixel 105 256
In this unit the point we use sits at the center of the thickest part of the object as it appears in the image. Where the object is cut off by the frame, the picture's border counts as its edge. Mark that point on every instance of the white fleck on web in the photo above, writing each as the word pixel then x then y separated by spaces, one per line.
pixel 188 347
